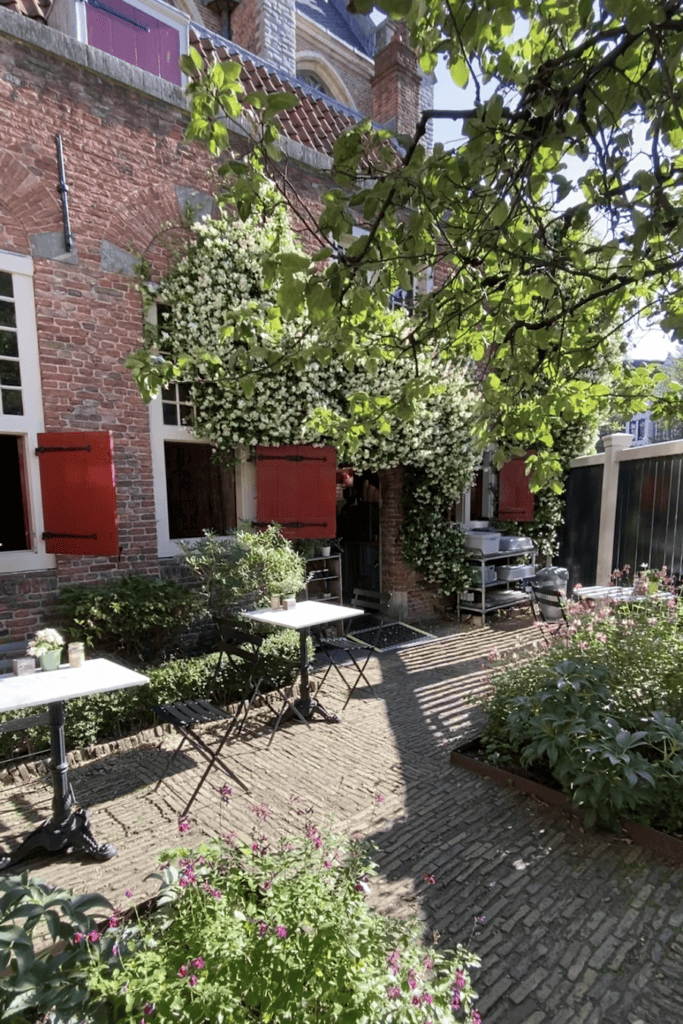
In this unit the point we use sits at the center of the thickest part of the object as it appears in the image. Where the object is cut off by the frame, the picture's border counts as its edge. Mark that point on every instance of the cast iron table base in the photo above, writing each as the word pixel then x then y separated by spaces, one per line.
pixel 69 826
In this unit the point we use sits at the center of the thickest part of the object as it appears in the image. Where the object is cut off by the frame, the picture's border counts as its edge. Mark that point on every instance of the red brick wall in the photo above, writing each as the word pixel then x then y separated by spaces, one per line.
pixel 411 600
pixel 125 157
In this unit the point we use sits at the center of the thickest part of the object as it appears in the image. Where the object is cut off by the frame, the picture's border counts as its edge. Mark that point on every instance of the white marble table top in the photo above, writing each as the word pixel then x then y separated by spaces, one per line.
pixel 96 676
pixel 304 614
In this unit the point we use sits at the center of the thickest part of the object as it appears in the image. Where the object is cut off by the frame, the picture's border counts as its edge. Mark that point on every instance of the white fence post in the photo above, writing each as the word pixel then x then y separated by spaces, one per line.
pixel 614 445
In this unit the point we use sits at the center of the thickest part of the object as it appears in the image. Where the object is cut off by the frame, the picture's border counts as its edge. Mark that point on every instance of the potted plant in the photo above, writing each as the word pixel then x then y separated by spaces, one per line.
pixel 326 547
pixel 46 645
pixel 273 567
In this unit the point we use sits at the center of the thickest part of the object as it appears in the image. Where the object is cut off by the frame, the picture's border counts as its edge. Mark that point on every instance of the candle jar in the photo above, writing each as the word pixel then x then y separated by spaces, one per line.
pixel 76 655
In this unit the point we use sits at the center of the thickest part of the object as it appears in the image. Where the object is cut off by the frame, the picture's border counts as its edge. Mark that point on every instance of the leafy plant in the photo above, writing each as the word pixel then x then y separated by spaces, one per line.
pixel 134 616
pixel 609 759
pixel 261 932
pixel 430 543
pixel 38 980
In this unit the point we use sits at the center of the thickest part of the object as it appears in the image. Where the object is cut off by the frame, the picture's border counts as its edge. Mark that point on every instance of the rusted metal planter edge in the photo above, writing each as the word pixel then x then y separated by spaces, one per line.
pixel 659 843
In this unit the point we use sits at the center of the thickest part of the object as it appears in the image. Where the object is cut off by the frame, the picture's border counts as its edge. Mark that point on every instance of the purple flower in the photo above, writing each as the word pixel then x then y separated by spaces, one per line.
pixel 428 963
pixel 281 931
pixel 393 992
pixel 78 937
pixel 429 879
pixel 261 811
pixel 128 894
pixel 459 979
pixel 183 825
pixel 94 935
pixel 115 949
pixel 182 971
pixel 412 979
pixel 475 1018
pixel 456 1001
pixel 226 792
pixel 416 1000
pixel 427 998
pixel 113 922
pixel 193 979
pixel 379 799
pixel 198 964
pixel 481 919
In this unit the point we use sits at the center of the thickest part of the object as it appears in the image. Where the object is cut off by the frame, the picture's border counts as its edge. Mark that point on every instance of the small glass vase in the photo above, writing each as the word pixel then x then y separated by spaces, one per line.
pixel 50 660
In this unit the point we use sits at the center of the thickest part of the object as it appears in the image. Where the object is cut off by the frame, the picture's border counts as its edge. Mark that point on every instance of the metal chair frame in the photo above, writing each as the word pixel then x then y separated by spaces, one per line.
pixel 372 602
pixel 548 608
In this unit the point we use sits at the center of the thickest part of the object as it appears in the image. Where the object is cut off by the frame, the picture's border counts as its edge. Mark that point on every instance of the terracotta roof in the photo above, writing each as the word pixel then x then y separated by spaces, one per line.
pixel 29 8
pixel 316 122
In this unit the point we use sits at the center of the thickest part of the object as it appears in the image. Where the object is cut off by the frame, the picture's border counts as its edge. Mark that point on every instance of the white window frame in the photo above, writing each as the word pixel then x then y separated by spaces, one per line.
pixel 160 432
pixel 32 422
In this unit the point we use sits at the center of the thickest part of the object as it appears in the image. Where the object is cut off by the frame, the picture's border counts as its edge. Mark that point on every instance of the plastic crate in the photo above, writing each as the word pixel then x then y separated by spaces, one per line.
pixel 515 572
pixel 516 543
pixel 484 541
pixel 489 575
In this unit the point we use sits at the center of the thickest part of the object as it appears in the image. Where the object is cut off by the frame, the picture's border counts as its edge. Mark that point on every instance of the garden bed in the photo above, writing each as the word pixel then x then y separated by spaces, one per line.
pixel 660 843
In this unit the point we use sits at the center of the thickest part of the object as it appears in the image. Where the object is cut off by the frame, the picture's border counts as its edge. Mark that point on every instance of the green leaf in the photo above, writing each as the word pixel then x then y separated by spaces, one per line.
pixel 460 72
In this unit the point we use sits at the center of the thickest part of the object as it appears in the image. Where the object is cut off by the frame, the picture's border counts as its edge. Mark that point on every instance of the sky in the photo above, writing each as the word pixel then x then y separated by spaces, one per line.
pixel 652 344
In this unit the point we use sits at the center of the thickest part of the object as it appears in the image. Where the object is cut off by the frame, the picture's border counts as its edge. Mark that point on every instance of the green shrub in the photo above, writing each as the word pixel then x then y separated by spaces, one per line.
pixel 609 759
pixel 38 982
pixel 136 617
pixel 107 716
pixel 250 932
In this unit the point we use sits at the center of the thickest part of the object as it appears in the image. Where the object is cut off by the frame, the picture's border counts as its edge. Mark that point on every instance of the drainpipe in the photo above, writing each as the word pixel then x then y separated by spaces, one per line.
pixel 63 190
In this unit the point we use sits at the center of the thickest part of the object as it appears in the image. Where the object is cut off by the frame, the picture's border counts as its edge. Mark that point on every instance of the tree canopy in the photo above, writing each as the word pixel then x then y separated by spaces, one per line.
pixel 552 228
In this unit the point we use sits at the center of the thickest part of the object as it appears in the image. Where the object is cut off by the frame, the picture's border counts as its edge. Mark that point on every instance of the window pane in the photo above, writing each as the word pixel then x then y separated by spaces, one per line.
pixel 184 392
pixel 8 343
pixel 170 412
pixel 200 494
pixel 5 283
pixel 14 523
pixel 7 314
pixel 9 372
pixel 186 415
pixel 12 404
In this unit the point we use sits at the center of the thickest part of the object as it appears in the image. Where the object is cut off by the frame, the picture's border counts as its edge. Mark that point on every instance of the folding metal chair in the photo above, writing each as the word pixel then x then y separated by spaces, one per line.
pixel 358 652
pixel 241 650
pixel 548 607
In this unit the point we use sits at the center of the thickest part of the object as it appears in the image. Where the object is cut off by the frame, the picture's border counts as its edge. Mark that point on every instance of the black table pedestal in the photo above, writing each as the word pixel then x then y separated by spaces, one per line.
pixel 69 826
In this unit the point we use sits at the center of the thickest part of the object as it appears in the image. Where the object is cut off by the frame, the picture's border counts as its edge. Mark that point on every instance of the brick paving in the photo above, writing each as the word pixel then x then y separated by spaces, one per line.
pixel 579 926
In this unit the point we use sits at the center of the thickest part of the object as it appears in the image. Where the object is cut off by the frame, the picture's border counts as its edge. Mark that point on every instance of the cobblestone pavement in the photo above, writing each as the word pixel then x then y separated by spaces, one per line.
pixel 580 927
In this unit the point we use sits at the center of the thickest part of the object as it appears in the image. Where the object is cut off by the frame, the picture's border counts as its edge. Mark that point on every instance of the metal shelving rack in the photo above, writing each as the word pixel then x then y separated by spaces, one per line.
pixel 498 594
pixel 326 587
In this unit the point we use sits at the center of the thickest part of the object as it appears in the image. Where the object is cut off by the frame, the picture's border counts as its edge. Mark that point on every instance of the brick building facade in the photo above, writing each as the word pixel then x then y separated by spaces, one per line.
pixel 70 312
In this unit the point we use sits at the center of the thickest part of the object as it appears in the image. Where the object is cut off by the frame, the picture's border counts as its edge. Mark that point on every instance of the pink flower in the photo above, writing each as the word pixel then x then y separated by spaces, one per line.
pixel 262 928
pixel 281 931
pixel 182 971
pixel 183 825
pixel 128 894
pixel 261 811
pixel 78 937
pixel 379 799
pixel 198 964
pixel 459 979
pixel 94 935
pixel 393 992
pixel 193 979
pixel 429 879
pixel 113 922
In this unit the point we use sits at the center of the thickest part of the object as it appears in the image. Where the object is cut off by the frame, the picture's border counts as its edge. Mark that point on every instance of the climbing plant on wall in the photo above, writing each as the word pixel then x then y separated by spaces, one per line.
pixel 255 379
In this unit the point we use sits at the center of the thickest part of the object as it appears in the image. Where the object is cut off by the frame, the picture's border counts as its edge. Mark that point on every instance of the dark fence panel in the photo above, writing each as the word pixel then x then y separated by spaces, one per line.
pixel 649 524
pixel 579 534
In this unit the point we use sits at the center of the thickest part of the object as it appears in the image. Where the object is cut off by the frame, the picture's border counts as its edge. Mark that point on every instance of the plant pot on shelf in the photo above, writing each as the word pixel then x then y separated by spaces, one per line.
pixel 50 660
pixel 326 551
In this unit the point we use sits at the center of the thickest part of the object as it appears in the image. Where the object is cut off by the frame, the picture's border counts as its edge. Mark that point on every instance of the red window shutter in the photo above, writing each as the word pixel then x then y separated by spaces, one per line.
pixel 296 487
pixel 79 499
pixel 515 500
pixel 133 35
